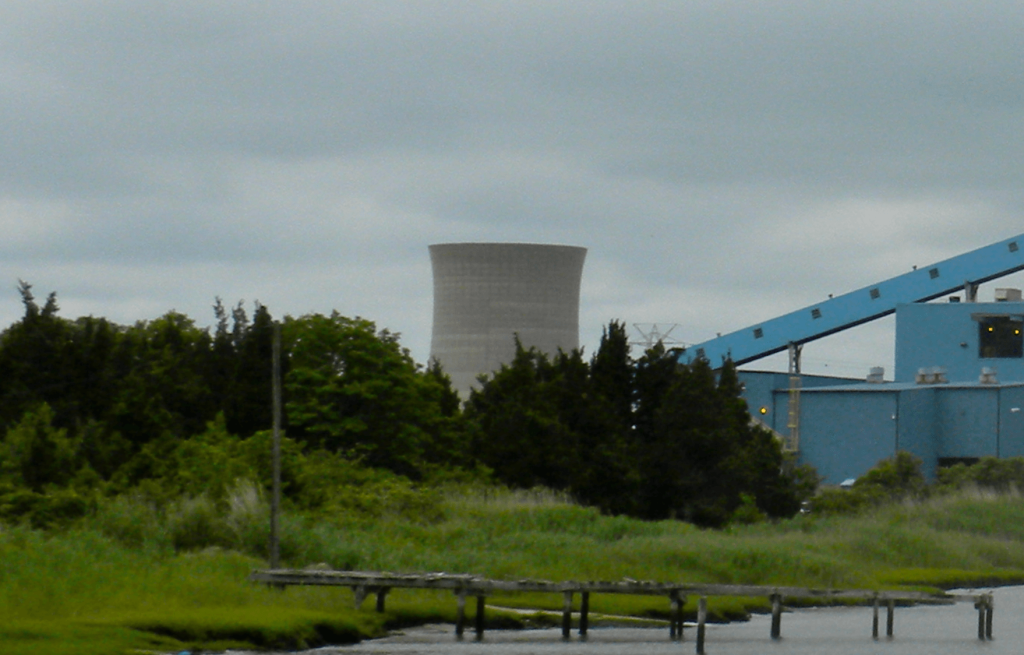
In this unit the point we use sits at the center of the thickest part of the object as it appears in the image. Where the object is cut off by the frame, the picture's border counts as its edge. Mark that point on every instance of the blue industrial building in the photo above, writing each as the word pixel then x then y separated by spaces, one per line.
pixel 958 388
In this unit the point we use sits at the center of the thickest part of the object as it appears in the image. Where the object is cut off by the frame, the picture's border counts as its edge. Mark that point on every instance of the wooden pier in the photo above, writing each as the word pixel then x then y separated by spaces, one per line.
pixel 464 586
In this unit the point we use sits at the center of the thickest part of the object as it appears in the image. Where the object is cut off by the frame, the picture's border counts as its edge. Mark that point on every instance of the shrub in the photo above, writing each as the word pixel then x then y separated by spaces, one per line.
pixel 896 478
pixel 129 520
pixel 195 523
pixel 53 508
pixel 747 513
pixel 891 480
pixel 1002 475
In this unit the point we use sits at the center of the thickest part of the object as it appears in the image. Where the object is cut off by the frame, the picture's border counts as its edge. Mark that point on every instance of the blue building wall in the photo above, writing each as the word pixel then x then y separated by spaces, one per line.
pixel 1011 421
pixel 758 391
pixel 916 418
pixel 946 335
pixel 845 430
pixel 967 422
pixel 843 433
pixel 769 390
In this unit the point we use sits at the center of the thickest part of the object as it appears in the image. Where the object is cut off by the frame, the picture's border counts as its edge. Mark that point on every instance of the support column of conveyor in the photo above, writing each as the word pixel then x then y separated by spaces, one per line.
pixel 792 442
pixel 833 315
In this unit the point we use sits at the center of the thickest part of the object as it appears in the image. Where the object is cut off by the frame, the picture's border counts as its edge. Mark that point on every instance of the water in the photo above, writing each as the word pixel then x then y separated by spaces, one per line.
pixel 923 630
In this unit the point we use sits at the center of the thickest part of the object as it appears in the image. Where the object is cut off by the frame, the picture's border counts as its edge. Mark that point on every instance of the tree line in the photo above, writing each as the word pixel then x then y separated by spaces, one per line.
pixel 87 404
pixel 648 437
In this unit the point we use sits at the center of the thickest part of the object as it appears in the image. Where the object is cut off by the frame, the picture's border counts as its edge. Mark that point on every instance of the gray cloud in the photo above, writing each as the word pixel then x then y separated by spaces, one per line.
pixel 723 161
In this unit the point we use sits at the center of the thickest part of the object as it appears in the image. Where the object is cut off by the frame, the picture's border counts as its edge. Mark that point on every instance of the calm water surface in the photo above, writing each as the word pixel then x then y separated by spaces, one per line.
pixel 847 631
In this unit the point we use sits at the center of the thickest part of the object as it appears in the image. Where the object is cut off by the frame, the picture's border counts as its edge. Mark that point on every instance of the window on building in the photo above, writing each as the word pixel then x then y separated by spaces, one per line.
pixel 1001 336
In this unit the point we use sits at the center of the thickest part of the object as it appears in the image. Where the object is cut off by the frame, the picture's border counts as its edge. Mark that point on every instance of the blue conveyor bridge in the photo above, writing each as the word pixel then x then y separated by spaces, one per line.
pixel 791 331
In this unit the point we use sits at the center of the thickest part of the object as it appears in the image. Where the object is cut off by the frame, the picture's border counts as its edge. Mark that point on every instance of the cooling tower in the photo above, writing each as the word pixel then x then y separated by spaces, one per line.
pixel 486 293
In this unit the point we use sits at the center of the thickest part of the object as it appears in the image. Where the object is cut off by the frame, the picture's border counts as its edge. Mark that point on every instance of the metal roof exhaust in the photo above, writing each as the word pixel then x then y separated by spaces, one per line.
pixel 988 376
pixel 931 375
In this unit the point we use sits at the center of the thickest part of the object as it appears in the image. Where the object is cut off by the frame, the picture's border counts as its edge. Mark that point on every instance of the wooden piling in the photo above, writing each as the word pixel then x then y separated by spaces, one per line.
pixel 989 606
pixel 584 612
pixel 679 618
pixel 566 615
pixel 776 616
pixel 359 592
pixel 460 614
pixel 889 618
pixel 984 617
pixel 480 618
pixel 381 594
pixel 702 619
pixel 675 622
pixel 874 619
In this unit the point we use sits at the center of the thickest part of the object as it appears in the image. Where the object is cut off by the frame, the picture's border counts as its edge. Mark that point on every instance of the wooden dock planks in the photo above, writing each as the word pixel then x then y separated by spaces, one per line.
pixel 464 585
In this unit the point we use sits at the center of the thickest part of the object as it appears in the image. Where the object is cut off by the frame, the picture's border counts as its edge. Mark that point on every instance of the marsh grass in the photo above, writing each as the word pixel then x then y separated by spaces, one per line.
pixel 65 638
pixel 86 591
pixel 142 576
pixel 279 628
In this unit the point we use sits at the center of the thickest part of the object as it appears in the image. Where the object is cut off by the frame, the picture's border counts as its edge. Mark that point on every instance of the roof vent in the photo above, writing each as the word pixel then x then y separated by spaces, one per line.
pixel 988 376
pixel 876 375
pixel 932 375
pixel 1008 295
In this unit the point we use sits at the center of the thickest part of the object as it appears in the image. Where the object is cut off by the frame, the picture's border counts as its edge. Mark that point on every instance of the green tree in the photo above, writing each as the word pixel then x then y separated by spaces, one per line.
pixel 444 420
pixel 756 463
pixel 684 452
pixel 164 389
pixel 515 424
pixel 90 383
pixel 33 361
pixel 705 460
pixel 247 403
pixel 354 390
pixel 656 372
pixel 651 437
pixel 35 454
pixel 613 375
pixel 606 473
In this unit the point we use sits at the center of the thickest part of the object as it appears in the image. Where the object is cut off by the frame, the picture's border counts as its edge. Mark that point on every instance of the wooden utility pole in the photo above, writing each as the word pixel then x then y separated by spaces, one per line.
pixel 275 497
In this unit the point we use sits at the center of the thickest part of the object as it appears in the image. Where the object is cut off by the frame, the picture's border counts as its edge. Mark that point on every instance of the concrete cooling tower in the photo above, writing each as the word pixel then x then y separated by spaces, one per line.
pixel 486 293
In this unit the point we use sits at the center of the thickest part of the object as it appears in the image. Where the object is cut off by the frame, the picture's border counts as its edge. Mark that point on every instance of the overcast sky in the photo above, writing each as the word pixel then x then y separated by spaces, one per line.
pixel 723 162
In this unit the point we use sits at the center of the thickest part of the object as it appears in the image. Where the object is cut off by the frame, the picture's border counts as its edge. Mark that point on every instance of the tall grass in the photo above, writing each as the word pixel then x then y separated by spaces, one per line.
pixel 83 579
pixel 133 570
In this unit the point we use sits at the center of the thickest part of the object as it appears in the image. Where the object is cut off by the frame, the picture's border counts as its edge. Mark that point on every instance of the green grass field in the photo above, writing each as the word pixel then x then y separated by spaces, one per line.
pixel 104 586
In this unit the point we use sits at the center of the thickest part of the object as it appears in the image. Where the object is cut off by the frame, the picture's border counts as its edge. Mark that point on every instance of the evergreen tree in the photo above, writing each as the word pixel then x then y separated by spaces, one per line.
pixel 164 390
pixel 33 362
pixel 680 472
pixel 607 473
pixel 36 454
pixel 656 371
pixel 612 372
pixel 247 405
pixel 515 424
